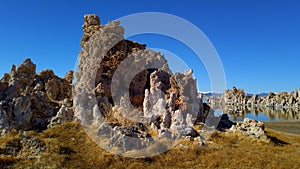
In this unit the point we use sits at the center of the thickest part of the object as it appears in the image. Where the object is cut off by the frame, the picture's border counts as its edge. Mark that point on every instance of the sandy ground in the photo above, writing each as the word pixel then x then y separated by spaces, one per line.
pixel 292 127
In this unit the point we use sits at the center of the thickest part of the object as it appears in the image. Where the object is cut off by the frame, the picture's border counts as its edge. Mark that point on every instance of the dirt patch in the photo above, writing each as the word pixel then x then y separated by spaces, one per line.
pixel 292 127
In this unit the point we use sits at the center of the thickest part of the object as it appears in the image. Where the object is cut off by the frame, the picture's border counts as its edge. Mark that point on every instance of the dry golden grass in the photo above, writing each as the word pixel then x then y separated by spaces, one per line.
pixel 11 139
pixel 153 133
pixel 69 147
pixel 6 161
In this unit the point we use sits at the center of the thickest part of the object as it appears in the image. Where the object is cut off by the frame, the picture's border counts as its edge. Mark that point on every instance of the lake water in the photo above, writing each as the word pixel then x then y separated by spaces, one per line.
pixel 238 113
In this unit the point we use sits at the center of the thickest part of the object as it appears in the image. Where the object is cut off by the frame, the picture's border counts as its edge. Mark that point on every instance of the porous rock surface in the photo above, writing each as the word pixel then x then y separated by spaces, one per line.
pixel 121 82
pixel 250 128
pixel 29 100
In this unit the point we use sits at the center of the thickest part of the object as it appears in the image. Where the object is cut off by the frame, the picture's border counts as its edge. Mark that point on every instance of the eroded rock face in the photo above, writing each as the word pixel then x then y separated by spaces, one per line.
pixel 90 26
pixel 29 100
pixel 91 88
pixel 129 84
pixel 111 62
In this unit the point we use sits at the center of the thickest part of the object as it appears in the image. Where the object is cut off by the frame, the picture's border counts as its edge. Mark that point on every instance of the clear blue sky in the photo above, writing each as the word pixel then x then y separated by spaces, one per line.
pixel 258 41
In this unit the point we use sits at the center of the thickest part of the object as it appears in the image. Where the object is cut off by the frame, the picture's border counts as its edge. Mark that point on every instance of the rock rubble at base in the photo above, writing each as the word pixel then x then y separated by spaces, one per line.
pixel 247 127
pixel 24 146
pixel 250 128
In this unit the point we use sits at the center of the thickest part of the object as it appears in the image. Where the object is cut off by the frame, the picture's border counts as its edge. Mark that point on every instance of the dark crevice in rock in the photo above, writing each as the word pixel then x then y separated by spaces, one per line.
pixel 137 87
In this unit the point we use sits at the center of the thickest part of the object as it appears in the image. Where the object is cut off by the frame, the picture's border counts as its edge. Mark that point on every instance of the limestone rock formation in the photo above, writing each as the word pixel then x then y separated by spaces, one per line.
pixel 250 128
pixel 87 94
pixel 234 96
pixel 282 105
pixel 282 100
pixel 29 100
pixel 120 82
pixel 90 26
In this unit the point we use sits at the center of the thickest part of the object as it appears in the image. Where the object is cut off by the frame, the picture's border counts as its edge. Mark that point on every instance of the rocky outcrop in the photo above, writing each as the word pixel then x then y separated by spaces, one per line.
pixel 120 82
pixel 282 100
pixel 234 96
pixel 29 100
pixel 250 128
pixel 237 103
pixel 149 88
